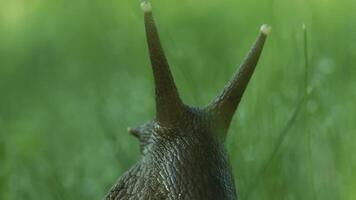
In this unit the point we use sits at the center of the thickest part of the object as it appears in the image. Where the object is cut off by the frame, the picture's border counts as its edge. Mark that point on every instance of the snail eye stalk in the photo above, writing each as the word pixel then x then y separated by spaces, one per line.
pixel 225 104
pixel 169 106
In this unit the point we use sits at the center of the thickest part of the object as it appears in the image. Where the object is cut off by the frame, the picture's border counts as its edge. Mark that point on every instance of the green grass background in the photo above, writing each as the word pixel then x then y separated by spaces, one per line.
pixel 75 74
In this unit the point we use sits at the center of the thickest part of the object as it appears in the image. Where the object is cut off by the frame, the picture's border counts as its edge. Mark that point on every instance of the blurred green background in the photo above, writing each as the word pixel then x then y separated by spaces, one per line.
pixel 75 74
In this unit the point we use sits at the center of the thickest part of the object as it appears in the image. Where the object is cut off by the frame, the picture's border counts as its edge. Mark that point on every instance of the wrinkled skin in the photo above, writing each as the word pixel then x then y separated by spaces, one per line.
pixel 188 161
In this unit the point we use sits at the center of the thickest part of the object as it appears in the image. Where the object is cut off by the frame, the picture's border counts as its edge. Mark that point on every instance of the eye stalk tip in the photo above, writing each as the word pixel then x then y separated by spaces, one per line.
pixel 146 6
pixel 129 129
pixel 266 29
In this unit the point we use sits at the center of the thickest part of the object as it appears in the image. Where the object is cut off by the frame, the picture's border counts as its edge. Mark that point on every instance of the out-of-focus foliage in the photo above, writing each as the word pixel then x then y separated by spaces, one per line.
pixel 75 74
